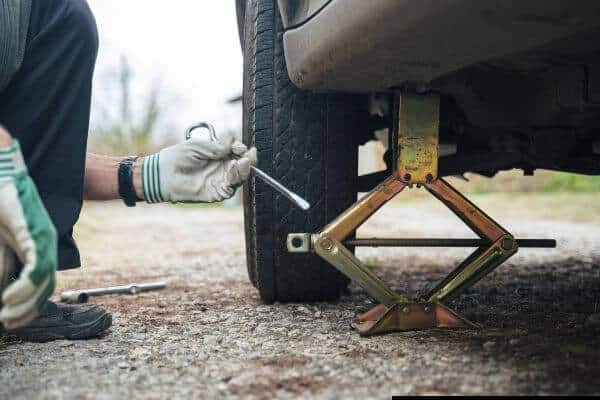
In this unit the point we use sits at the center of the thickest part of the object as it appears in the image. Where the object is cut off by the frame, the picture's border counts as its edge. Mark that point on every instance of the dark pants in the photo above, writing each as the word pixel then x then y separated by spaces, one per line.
pixel 47 107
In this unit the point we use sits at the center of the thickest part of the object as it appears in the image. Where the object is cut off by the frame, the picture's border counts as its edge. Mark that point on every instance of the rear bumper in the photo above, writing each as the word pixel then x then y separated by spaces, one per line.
pixel 364 46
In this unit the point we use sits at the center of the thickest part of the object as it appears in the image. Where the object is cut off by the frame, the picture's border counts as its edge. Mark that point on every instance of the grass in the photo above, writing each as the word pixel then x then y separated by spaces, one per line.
pixel 569 206
pixel 196 206
pixel 543 181
pixel 566 182
pixel 371 262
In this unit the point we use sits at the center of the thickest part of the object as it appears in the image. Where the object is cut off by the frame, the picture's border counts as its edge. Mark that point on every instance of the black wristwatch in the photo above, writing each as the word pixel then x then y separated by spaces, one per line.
pixel 126 189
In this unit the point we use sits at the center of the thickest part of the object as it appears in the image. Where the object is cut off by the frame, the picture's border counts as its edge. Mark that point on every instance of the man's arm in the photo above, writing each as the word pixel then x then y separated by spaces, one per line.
pixel 101 177
pixel 197 170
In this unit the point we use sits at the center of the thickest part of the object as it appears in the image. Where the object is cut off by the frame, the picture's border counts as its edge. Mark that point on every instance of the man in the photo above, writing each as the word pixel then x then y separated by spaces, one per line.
pixel 47 56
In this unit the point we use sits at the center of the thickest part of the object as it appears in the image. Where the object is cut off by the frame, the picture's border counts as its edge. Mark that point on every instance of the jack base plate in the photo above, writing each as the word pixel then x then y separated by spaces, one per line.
pixel 408 317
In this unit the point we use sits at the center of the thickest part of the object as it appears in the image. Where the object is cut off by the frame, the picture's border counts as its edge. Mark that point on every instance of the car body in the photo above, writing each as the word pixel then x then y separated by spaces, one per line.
pixel 370 46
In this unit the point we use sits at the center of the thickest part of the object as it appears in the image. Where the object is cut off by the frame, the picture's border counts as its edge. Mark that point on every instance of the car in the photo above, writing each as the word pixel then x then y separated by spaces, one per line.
pixel 518 83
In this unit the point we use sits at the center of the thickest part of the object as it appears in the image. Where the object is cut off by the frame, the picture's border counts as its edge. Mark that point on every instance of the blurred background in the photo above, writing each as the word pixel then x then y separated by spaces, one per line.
pixel 160 68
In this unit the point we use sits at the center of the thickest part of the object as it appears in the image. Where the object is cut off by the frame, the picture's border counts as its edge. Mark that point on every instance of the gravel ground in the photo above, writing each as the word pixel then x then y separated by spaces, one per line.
pixel 208 335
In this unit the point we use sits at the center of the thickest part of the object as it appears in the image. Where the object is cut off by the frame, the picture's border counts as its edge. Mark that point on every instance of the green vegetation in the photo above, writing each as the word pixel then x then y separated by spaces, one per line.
pixel 371 262
pixel 566 182
pixel 513 181
pixel 481 189
pixel 195 206
pixel 570 206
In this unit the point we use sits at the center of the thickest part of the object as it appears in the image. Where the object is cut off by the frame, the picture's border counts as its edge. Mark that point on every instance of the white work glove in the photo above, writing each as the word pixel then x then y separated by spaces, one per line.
pixel 26 229
pixel 197 170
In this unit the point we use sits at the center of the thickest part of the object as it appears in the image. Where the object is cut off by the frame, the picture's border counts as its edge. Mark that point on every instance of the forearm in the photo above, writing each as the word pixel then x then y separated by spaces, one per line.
pixel 101 177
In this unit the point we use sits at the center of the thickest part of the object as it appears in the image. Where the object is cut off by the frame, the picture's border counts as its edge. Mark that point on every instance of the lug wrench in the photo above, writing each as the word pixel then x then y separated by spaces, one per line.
pixel 293 197
pixel 83 295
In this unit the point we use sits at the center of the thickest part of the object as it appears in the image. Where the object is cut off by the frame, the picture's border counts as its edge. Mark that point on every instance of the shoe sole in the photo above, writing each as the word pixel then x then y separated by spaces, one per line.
pixel 77 332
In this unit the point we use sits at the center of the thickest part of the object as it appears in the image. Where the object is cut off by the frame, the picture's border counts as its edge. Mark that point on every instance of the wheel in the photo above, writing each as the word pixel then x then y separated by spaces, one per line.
pixel 308 142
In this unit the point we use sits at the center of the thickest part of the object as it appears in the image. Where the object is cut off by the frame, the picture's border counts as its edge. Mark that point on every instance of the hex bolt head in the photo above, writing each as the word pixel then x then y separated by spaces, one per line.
pixel 406 310
pixel 327 244
pixel 507 243
pixel 426 309
pixel 297 242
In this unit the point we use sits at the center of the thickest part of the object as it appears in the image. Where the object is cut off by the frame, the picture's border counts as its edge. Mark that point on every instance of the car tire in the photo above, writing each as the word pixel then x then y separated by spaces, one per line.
pixel 308 142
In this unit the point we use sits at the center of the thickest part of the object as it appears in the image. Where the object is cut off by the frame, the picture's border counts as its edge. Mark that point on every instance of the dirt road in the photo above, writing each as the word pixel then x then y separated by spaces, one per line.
pixel 208 335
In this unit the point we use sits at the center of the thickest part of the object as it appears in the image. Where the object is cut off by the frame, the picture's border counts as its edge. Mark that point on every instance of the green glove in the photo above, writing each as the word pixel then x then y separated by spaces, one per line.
pixel 26 228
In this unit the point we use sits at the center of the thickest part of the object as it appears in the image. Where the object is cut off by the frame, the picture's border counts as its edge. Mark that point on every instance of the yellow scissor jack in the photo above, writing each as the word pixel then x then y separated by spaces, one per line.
pixel 417 164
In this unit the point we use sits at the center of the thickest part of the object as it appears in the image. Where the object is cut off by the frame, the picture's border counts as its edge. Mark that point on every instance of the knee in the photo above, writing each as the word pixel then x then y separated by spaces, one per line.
pixel 81 21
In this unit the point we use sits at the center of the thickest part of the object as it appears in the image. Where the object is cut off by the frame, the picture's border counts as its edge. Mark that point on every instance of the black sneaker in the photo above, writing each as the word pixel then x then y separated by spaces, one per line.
pixel 66 321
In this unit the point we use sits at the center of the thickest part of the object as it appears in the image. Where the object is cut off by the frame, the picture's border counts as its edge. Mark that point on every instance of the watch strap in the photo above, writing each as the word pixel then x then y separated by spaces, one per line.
pixel 126 189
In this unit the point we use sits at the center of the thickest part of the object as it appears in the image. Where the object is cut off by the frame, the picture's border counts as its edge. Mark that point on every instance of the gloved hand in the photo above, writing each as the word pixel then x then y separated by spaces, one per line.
pixel 7 268
pixel 197 170
pixel 26 228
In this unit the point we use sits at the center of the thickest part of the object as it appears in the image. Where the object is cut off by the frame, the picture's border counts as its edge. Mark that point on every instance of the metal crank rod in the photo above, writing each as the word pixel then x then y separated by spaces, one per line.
pixel 435 242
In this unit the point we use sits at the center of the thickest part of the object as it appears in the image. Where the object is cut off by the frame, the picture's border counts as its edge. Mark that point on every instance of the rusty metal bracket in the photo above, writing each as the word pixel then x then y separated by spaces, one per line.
pixel 502 244
pixel 418 138
pixel 341 258
pixel 408 317
pixel 417 164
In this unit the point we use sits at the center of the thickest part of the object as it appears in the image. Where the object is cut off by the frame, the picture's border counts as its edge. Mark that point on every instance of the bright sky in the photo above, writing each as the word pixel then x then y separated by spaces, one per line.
pixel 190 46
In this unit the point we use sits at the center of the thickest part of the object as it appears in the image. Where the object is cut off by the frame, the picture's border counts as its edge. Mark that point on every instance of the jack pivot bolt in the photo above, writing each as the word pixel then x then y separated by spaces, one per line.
pixel 507 243
pixel 326 244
